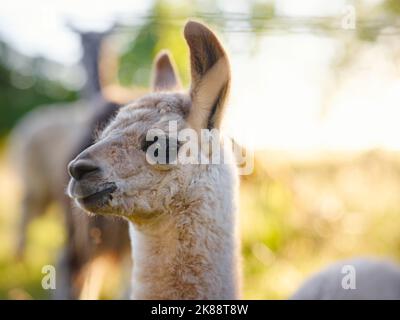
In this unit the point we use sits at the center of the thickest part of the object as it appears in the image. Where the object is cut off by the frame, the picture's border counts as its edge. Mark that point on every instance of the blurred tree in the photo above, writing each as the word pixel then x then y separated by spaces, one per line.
pixel 161 30
pixel 392 6
pixel 23 88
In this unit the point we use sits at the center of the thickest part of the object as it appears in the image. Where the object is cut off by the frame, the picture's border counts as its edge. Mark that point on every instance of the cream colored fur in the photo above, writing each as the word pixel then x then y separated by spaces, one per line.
pixel 183 218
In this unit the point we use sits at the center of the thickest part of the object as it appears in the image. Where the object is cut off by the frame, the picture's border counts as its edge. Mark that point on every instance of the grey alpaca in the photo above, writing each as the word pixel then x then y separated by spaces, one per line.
pixel 374 279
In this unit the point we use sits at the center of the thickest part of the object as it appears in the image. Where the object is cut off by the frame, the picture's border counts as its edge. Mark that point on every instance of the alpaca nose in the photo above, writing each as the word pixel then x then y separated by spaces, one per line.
pixel 80 168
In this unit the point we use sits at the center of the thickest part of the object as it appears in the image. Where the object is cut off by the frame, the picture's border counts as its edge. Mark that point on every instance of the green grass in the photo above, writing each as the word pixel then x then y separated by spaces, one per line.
pixel 297 215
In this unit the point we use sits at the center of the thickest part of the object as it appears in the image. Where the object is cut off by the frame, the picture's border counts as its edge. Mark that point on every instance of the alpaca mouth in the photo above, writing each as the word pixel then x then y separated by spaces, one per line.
pixel 97 199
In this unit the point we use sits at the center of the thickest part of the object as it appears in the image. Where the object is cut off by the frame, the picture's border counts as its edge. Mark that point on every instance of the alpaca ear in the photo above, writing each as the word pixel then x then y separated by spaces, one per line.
pixel 165 77
pixel 210 76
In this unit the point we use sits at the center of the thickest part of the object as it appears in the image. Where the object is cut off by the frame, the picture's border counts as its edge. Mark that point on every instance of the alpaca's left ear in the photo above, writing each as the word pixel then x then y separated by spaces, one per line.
pixel 165 77
pixel 210 76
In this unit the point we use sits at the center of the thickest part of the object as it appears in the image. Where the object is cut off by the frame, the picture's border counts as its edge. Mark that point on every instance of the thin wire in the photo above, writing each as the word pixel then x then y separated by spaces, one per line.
pixel 260 24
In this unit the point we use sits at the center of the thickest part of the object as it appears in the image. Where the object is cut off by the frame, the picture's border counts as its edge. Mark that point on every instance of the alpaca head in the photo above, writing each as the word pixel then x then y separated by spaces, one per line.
pixel 115 176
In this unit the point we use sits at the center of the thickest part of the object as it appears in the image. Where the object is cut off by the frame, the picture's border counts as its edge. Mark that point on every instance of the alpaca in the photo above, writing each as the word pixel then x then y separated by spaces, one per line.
pixel 41 146
pixel 182 217
pixel 373 279
pixel 43 176
pixel 38 158
pixel 42 131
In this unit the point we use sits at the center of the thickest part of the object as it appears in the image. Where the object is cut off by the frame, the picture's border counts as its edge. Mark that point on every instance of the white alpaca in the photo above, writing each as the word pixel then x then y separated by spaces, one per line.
pixel 353 280
pixel 183 220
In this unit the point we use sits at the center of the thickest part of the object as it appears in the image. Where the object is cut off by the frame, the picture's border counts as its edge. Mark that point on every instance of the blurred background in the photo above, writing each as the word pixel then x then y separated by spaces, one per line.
pixel 316 93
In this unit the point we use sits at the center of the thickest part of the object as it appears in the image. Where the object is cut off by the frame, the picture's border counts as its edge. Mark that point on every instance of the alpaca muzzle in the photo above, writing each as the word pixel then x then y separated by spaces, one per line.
pixel 87 186
pixel 91 197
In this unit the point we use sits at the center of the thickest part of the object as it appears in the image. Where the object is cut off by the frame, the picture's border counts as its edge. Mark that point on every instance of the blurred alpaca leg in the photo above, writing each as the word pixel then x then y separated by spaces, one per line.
pixel 33 205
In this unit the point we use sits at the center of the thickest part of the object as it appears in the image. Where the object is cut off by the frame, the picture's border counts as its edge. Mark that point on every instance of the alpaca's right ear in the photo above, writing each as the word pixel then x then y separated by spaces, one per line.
pixel 165 77
pixel 210 76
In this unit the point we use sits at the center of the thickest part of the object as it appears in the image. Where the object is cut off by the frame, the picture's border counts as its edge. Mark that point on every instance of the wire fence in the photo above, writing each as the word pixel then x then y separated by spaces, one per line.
pixel 229 22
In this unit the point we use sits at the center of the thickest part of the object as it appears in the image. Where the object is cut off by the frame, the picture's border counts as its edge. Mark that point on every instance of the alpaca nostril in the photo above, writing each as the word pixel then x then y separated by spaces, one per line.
pixel 79 168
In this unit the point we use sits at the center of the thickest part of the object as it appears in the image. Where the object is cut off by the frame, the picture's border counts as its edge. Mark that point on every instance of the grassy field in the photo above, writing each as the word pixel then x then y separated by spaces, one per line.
pixel 297 215
pixel 22 279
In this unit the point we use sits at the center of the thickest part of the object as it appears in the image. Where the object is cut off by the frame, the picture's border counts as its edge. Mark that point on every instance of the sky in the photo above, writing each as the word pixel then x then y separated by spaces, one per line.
pixel 277 93
pixel 39 26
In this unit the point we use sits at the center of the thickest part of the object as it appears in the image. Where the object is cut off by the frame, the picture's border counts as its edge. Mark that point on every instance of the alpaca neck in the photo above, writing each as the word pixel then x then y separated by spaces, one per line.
pixel 190 254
